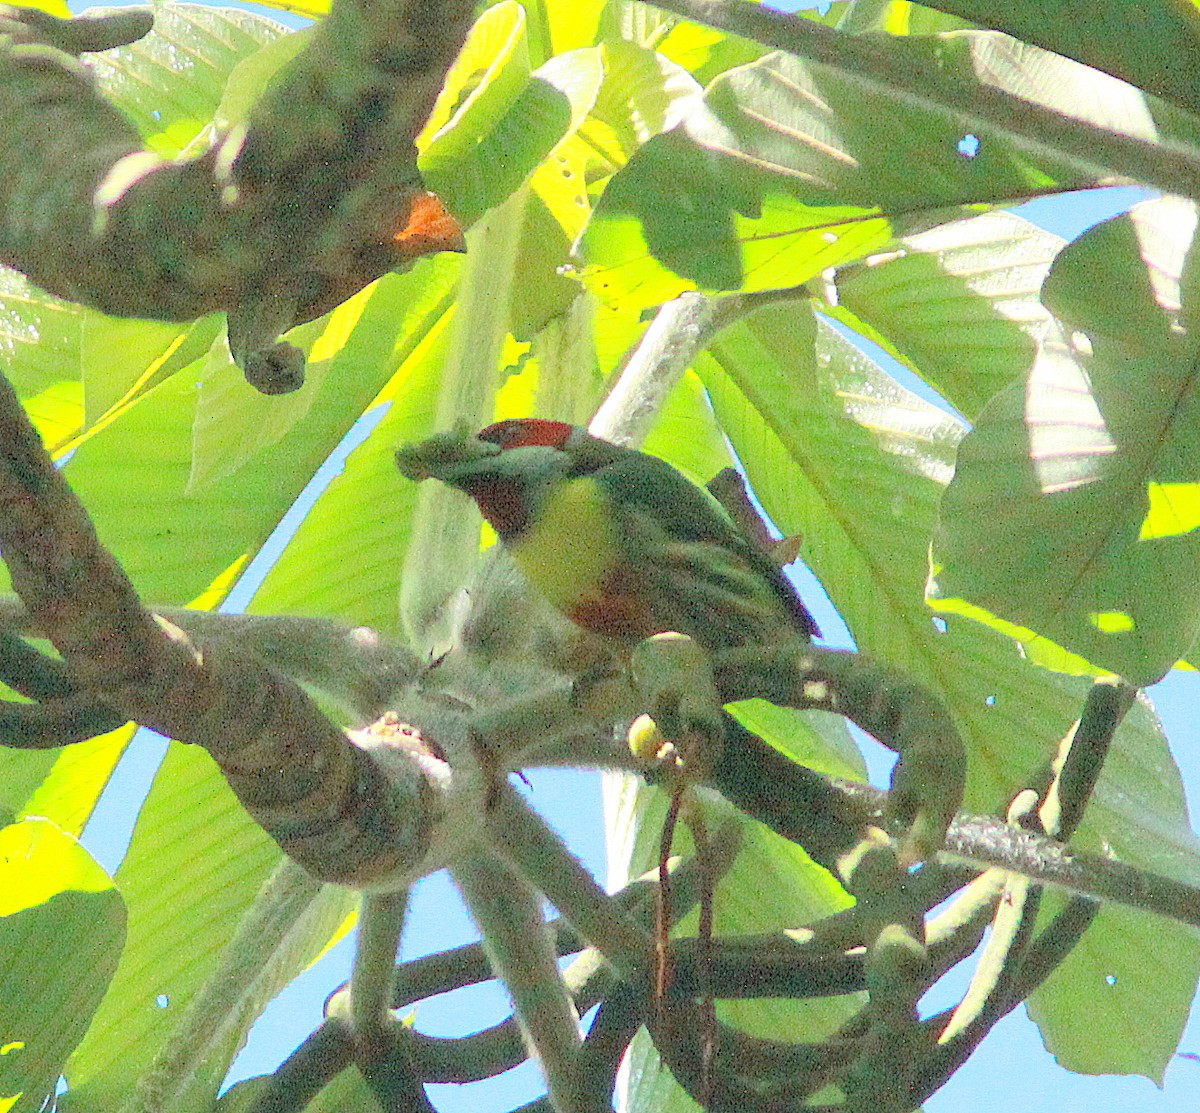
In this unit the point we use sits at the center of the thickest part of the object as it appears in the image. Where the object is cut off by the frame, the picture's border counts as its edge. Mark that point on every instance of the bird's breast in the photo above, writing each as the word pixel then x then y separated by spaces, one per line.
pixel 569 549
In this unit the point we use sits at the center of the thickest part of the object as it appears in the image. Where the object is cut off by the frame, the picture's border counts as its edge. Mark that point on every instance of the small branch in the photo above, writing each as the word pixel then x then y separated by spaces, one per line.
pixel 989 995
pixel 460 1059
pixel 30 672
pixel 680 331
pixel 979 841
pixel 928 779
pixel 392 1082
pixel 46 726
pixel 826 815
pixel 517 943
pixel 307 1071
pixel 355 665
pixel 789 798
pixel 525 840
pixel 373 980
pixel 1081 757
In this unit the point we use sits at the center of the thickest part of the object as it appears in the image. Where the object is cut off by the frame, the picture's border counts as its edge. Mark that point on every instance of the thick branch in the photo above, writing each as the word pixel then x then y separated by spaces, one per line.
pixel 322 797
pixel 316 197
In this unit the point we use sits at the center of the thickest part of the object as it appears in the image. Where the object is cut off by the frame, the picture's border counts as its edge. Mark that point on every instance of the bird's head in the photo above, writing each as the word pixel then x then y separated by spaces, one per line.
pixel 585 452
pixel 506 480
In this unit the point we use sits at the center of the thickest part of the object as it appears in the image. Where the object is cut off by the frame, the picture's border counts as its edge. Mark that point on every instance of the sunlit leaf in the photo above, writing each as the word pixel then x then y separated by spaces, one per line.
pixel 838 452
pixel 959 304
pixel 1069 512
pixel 1156 48
pixel 62 925
pixel 786 172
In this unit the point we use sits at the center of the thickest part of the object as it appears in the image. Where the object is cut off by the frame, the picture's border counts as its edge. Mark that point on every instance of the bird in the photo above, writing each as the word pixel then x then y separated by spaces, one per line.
pixel 621 542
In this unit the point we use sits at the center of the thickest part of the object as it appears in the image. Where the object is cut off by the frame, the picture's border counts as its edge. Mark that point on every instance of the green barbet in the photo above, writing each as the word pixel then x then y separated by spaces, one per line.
pixel 619 541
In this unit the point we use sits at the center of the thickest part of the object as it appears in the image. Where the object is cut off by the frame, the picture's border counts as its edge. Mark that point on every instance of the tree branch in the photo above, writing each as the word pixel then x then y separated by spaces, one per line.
pixel 321 795
pixel 287 217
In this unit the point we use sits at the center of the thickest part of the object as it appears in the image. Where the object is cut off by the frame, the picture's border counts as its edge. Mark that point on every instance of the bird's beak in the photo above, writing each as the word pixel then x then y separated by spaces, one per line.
pixel 449 457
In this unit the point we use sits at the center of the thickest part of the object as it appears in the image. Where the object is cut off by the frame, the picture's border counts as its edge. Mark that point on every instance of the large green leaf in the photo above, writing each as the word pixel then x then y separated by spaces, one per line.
pixel 958 304
pixel 40 354
pixel 71 365
pixel 122 359
pixel 61 928
pixel 552 103
pixel 838 452
pixel 1156 46
pixel 195 862
pixel 170 82
pixel 792 167
pixel 345 560
pixel 1074 509
pixel 233 425
pixel 21 771
pixel 72 787
pixel 1092 1010
pixel 163 536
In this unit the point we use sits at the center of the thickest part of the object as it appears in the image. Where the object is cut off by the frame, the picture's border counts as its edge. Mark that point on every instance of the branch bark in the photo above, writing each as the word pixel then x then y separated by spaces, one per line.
pixel 321 794
pixel 315 197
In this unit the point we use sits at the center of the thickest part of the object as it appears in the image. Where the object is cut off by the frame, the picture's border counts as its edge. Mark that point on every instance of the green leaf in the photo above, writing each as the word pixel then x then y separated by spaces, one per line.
pixel 193 865
pixel 1156 47
pixel 72 787
pixel 171 102
pixel 233 423
pixel 644 94
pixel 1074 509
pixel 785 171
pixel 71 365
pixel 252 76
pixel 958 304
pixel 485 80
pixel 706 53
pixel 1119 1002
pixel 62 925
pixel 570 25
pixel 677 218
pixel 21 771
pixel 483 84
pixel 40 355
pixel 312 9
pixel 344 564
pixel 837 451
pixel 122 359
pixel 550 106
